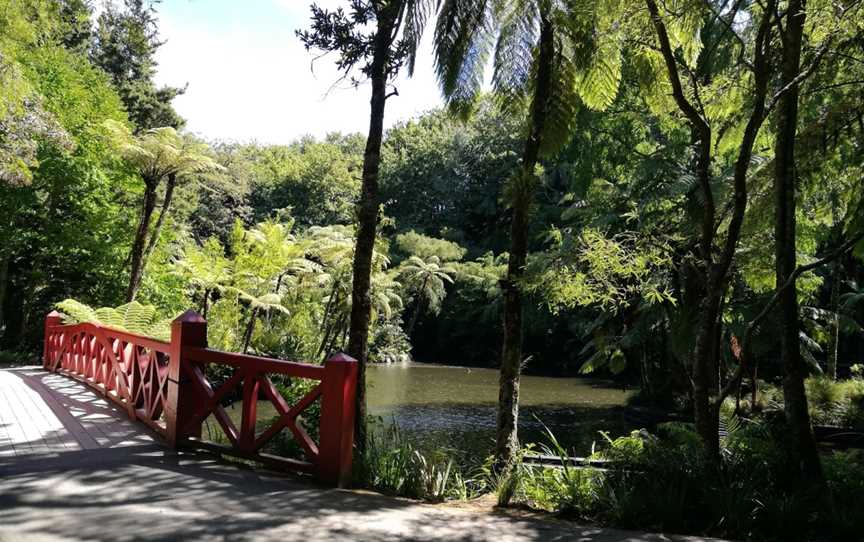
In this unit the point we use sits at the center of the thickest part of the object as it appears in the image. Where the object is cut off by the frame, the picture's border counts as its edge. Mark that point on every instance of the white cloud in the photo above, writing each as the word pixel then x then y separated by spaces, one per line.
pixel 251 82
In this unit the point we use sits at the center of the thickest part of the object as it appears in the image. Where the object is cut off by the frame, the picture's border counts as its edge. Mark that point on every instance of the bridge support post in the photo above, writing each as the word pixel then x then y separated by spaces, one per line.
pixel 53 318
pixel 188 329
pixel 337 420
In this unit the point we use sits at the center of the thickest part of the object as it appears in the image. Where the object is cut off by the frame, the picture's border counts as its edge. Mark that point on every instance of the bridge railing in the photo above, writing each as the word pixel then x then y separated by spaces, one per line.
pixel 165 385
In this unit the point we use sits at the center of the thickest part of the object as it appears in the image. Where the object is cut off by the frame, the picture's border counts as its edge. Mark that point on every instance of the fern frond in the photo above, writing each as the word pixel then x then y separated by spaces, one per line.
pixel 76 312
pixel 416 15
pixel 514 55
pixel 464 37
pixel 563 102
pixel 132 317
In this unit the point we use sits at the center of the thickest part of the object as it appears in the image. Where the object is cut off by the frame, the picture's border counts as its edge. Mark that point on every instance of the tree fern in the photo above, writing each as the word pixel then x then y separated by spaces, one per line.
pixel 132 317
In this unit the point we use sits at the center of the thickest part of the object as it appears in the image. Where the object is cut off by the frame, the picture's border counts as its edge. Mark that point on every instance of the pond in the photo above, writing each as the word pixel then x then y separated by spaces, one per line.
pixel 455 407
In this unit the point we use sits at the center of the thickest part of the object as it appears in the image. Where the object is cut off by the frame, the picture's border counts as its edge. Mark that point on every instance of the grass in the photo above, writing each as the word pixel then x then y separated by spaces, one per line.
pixel 393 465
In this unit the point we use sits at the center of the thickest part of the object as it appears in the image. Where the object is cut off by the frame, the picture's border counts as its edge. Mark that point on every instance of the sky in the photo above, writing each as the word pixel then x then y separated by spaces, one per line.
pixel 250 79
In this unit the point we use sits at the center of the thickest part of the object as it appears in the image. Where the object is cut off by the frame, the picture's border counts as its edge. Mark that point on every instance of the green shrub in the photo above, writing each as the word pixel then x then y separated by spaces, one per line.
pixel 18 358
pixel 389 343
pixel 664 482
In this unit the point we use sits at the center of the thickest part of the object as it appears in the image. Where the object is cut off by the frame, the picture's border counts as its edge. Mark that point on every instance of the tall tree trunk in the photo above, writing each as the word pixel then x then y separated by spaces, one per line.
pixel 157 230
pixel 794 396
pixel 139 244
pixel 716 267
pixel 367 215
pixel 507 444
pixel 706 417
pixel 705 413
pixel 250 328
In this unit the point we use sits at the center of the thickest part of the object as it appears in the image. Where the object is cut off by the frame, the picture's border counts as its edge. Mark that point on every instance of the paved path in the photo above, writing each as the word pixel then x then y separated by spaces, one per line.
pixel 121 485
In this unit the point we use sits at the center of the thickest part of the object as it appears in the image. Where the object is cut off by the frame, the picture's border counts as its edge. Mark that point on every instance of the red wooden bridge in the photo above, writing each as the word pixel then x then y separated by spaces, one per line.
pixel 165 386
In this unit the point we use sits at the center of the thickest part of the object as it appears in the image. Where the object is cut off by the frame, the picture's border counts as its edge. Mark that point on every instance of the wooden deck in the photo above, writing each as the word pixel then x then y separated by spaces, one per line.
pixel 44 413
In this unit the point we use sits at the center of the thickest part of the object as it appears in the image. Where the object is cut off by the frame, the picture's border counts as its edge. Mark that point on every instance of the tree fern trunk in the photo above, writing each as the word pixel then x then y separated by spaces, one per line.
pixel 157 230
pixel 507 444
pixel 250 328
pixel 325 320
pixel 136 255
pixel 418 309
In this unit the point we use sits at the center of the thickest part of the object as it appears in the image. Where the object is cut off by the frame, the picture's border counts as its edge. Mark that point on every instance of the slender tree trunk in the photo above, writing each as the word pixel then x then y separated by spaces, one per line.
pixel 794 396
pixel 250 328
pixel 834 337
pixel 367 215
pixel 716 267
pixel 326 340
pixel 136 255
pixel 327 314
pixel 834 302
pixel 507 444
pixel 337 329
pixel 418 309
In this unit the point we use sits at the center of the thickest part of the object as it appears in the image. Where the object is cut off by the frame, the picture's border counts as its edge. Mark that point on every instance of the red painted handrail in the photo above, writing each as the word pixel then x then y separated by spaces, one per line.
pixel 164 385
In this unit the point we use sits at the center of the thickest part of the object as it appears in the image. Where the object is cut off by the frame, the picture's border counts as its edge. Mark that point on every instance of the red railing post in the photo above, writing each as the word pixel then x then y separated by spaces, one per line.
pixel 338 391
pixel 188 329
pixel 53 318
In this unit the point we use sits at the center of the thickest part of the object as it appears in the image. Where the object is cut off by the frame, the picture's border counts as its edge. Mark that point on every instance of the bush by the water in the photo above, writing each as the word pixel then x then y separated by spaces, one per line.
pixel 837 403
pixel 664 482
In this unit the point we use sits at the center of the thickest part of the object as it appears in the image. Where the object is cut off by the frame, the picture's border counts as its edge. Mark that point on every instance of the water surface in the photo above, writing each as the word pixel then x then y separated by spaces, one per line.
pixel 455 407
